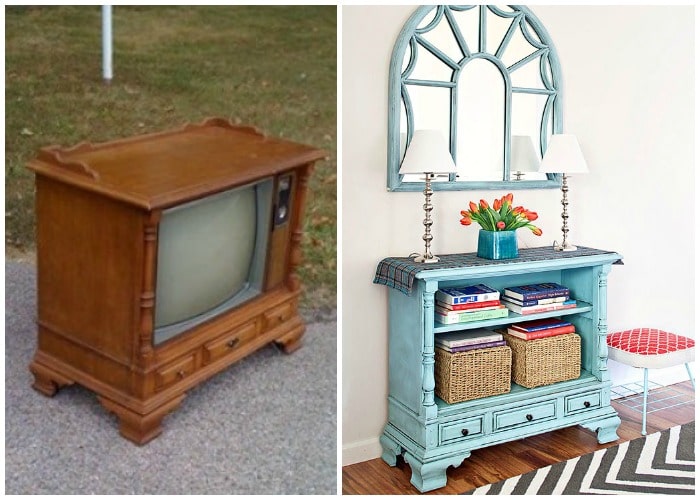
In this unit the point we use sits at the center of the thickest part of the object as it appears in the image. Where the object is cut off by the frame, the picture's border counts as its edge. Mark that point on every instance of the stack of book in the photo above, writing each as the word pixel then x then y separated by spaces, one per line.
pixel 537 298
pixel 468 303
pixel 540 328
pixel 468 340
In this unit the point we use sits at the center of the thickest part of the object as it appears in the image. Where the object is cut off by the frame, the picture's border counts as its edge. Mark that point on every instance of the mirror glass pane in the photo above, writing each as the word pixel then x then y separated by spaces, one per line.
pixel 431 109
pixel 429 67
pixel 480 142
pixel 444 39
pixel 527 121
pixel 496 28
pixel 468 24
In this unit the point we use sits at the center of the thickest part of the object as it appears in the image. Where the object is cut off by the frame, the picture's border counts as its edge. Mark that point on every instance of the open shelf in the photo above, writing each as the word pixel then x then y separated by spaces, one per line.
pixel 581 307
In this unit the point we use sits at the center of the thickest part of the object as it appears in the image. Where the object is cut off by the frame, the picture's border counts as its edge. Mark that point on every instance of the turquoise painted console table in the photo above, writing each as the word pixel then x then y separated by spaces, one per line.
pixel 431 434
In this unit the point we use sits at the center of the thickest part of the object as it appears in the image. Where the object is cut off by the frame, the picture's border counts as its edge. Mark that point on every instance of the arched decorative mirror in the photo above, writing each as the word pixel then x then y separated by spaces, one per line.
pixel 489 79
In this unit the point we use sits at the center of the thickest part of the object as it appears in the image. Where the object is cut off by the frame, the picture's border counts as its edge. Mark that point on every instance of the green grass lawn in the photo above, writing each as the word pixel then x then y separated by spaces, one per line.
pixel 273 67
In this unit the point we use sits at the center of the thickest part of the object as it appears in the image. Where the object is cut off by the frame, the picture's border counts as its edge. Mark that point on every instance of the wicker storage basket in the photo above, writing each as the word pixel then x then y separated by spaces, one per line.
pixel 545 361
pixel 462 376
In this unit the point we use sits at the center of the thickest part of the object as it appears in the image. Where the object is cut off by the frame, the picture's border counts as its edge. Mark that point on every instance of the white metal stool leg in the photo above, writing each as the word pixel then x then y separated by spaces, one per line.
pixel 690 374
pixel 644 403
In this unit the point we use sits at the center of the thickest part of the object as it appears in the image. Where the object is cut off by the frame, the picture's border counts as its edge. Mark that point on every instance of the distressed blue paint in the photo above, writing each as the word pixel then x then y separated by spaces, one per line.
pixel 426 430
pixel 409 38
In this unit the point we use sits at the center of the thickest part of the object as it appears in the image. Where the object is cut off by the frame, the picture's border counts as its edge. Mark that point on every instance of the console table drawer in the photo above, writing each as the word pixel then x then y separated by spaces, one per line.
pixel 525 415
pixel 581 402
pixel 462 429
pixel 236 338
pixel 174 372
pixel 279 314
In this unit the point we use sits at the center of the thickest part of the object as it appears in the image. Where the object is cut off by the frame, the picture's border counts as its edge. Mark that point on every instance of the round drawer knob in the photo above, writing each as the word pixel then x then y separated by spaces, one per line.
pixel 465 432
pixel 528 417
pixel 181 374
pixel 587 404
pixel 232 343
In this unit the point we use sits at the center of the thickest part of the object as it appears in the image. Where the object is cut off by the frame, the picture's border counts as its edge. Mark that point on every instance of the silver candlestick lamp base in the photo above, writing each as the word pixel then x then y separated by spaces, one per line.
pixel 427 257
pixel 565 246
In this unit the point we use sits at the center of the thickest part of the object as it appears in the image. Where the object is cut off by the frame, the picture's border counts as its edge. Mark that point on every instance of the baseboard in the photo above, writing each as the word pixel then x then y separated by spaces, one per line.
pixel 361 451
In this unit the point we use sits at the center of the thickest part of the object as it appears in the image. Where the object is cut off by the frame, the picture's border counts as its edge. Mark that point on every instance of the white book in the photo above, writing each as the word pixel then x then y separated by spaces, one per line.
pixel 467 337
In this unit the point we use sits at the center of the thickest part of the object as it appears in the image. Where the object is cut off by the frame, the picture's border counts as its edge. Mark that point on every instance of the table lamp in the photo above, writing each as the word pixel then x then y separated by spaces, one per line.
pixel 429 155
pixel 564 157
pixel 523 157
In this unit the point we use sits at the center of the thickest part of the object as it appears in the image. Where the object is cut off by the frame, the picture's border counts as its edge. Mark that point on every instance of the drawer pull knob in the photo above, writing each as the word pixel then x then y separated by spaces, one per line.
pixel 587 404
pixel 465 432
pixel 528 417
pixel 181 374
pixel 232 343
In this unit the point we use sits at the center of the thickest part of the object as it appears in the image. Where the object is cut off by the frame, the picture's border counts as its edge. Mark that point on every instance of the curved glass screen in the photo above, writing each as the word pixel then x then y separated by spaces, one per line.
pixel 210 256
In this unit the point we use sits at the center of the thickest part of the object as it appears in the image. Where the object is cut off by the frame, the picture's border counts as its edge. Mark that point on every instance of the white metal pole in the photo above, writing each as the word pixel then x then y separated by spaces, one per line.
pixel 107 43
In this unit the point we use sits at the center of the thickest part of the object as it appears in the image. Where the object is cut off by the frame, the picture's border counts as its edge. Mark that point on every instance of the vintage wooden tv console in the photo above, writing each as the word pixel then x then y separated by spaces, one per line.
pixel 98 209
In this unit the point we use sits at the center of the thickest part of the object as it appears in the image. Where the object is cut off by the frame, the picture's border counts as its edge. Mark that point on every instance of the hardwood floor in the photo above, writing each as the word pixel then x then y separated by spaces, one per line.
pixel 492 464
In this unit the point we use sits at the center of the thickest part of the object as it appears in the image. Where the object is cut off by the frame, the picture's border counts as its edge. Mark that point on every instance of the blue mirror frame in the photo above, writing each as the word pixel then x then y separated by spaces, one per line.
pixel 411 36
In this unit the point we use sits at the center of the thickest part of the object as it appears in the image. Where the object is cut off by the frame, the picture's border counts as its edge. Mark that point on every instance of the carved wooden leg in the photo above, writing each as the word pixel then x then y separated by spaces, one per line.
pixel 137 427
pixel 606 429
pixel 432 475
pixel 390 449
pixel 291 341
pixel 46 380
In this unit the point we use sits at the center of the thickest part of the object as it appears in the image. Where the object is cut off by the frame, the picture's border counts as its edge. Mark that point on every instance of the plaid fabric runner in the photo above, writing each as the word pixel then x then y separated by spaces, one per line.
pixel 399 272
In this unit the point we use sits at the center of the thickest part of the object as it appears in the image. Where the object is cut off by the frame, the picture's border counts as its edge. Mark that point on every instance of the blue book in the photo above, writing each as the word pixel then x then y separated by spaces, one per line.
pixel 539 324
pixel 465 294
pixel 536 291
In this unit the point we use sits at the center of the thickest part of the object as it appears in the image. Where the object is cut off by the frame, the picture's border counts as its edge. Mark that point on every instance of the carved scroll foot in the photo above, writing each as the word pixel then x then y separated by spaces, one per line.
pixel 432 475
pixel 605 429
pixel 136 427
pixel 291 341
pixel 46 380
pixel 390 449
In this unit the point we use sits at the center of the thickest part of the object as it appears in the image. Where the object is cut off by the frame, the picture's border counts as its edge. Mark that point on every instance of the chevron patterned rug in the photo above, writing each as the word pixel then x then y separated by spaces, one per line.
pixel 661 463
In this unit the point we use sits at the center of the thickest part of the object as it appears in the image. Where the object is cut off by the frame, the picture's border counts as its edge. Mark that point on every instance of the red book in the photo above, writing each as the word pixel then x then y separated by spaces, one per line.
pixel 469 305
pixel 539 324
pixel 539 334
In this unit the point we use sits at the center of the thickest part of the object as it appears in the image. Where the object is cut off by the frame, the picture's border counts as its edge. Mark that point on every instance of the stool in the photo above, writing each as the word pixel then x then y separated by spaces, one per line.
pixel 651 348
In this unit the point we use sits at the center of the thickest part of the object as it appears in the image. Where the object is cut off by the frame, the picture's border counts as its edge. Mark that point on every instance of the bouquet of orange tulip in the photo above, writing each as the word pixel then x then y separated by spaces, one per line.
pixel 501 217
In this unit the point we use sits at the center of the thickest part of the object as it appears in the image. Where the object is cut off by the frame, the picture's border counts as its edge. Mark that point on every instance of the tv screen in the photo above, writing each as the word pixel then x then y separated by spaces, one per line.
pixel 211 256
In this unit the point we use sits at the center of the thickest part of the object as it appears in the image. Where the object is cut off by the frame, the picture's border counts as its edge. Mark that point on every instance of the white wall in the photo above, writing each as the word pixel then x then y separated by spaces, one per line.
pixel 628 96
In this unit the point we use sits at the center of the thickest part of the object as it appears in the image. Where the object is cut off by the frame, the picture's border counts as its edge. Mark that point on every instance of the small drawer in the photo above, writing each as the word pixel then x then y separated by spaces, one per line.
pixel 525 415
pixel 279 314
pixel 230 342
pixel 462 429
pixel 582 402
pixel 175 372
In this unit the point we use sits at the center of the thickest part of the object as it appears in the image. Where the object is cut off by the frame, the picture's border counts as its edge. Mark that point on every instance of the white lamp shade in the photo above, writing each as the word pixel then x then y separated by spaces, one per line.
pixel 428 153
pixel 523 157
pixel 563 156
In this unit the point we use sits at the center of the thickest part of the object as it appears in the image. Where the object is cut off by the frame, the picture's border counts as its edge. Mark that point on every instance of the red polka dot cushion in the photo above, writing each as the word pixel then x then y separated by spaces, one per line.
pixel 650 348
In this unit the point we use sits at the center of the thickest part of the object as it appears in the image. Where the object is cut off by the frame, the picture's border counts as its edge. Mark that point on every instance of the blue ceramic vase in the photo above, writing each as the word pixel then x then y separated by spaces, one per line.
pixel 497 245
